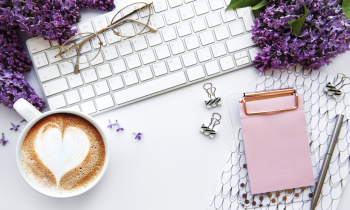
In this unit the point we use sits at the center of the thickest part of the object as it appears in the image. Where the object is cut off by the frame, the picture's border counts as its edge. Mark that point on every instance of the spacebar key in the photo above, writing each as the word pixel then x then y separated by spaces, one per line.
pixel 151 87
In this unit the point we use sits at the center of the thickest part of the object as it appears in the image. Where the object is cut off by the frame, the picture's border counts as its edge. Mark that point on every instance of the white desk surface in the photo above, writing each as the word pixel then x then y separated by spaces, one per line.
pixel 173 167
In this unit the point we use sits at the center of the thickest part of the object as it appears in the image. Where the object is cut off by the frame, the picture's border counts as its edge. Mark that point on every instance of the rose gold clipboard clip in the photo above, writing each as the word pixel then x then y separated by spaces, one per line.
pixel 254 96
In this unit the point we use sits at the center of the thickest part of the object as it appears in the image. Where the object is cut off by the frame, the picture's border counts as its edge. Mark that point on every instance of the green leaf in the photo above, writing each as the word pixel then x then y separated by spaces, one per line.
pixel 260 4
pixel 298 23
pixel 346 8
pixel 234 4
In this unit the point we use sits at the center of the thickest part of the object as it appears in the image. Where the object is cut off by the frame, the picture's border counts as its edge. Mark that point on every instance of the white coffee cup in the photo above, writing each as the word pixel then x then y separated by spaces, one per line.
pixel 32 116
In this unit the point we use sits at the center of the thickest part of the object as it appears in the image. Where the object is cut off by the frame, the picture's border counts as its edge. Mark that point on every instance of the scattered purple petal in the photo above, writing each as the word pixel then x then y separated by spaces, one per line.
pixel 119 128
pixel 14 127
pixel 138 135
pixel 23 120
pixel 110 124
pixel 3 141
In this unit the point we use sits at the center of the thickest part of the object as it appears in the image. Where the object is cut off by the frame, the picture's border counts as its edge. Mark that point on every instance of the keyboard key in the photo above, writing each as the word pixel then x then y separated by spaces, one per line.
pixel 226 63
pixel 201 7
pixel 139 43
pixel 100 23
pixel 116 83
pixel 111 37
pixel 198 24
pixel 213 19
pixel 126 29
pixel 192 42
pixel 74 108
pixel 66 68
pixel 171 17
pixel 104 102
pixel 147 56
pixel 89 75
pixel 75 80
pixel 145 73
pixel 54 43
pixel 160 5
pixel 154 38
pixel 87 92
pixel 101 87
pixel 56 86
pixel 242 61
pixel 145 12
pixel 118 66
pixel 174 64
pixel 186 12
pixel 113 16
pixel 86 27
pixel 221 33
pixel 38 45
pixel 160 68
pixel 253 52
pixel 88 107
pixel 189 59
pixel 70 53
pixel 124 48
pixel 195 73
pixel 169 34
pixel 104 71
pixel 83 62
pixel 40 60
pixel 51 55
pixel 246 14
pixel 157 21
pixel 140 28
pixel 218 50
pixel 216 4
pixel 241 55
pixel 130 78
pixel 110 53
pixel 174 3
pixel 236 28
pixel 86 47
pixel 203 54
pixel 240 42
pixel 127 10
pixel 162 52
pixel 48 73
pixel 150 87
pixel 183 29
pixel 206 38
pixel 98 59
pixel 177 47
pixel 56 102
pixel 96 42
pixel 212 67
pixel 72 97
pixel 228 15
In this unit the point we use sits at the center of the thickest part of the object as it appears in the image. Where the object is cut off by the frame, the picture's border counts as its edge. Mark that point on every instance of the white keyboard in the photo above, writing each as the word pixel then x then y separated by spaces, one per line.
pixel 195 41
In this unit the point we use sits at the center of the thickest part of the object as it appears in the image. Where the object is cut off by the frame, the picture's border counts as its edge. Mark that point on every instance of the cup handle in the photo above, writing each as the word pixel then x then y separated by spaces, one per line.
pixel 26 110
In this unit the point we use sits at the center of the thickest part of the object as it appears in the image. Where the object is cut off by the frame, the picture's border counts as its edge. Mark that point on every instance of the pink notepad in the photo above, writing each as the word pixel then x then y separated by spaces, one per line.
pixel 276 145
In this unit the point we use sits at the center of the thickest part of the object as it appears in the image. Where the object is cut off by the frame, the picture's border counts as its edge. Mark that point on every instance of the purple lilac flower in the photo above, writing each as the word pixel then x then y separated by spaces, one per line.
pixel 105 5
pixel 13 86
pixel 14 127
pixel 138 135
pixel 324 35
pixel 3 141
pixel 24 120
pixel 110 125
pixel 119 128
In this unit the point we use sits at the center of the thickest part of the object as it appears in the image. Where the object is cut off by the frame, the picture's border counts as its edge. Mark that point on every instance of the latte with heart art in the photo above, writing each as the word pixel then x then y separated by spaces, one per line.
pixel 63 153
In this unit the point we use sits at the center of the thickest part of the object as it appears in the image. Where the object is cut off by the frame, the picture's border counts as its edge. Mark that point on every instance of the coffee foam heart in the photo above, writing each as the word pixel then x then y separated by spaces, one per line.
pixel 66 170
pixel 60 151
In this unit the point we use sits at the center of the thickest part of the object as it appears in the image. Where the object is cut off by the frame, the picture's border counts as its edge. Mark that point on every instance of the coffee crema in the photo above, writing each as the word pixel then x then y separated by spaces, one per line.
pixel 63 153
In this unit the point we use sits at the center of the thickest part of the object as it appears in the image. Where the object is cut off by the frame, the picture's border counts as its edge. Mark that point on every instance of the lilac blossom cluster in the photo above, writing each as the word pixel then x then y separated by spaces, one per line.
pixel 324 34
pixel 51 19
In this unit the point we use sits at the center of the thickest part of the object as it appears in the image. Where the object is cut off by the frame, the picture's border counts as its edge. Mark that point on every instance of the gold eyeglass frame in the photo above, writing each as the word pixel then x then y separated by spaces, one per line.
pixel 112 25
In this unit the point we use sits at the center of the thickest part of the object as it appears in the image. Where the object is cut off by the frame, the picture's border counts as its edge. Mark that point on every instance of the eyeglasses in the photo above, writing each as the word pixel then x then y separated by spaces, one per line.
pixel 125 23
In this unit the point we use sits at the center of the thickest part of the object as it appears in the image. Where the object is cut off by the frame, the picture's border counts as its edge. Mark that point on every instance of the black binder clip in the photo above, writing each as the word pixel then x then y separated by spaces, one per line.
pixel 212 100
pixel 209 129
pixel 332 90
